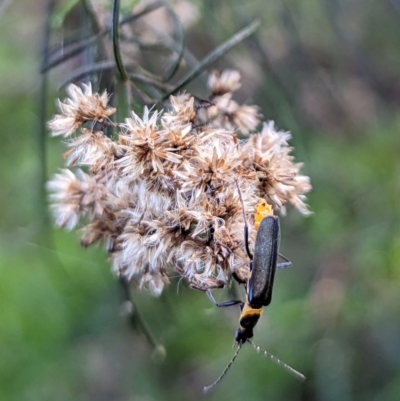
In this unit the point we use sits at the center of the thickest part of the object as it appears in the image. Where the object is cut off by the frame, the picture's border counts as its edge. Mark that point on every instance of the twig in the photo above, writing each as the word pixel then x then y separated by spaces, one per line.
pixel 213 56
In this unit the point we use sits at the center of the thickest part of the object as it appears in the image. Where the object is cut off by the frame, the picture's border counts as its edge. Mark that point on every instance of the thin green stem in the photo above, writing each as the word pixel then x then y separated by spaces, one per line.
pixel 115 40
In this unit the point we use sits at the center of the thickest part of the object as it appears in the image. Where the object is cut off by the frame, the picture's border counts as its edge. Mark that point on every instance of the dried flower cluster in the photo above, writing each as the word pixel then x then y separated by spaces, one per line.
pixel 162 195
pixel 226 112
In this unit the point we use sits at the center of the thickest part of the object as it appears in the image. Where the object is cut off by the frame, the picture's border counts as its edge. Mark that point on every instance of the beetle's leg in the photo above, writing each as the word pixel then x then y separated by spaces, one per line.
pixel 224 304
pixel 283 265
pixel 246 240
pixel 287 262
pixel 283 257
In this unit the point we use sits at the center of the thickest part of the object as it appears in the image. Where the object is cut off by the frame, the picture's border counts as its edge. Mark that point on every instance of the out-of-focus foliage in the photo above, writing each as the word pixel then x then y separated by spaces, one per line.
pixel 326 70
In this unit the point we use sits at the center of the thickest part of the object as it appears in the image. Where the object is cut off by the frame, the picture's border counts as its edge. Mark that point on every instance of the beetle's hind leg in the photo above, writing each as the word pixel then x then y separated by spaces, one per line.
pixel 282 265
pixel 224 304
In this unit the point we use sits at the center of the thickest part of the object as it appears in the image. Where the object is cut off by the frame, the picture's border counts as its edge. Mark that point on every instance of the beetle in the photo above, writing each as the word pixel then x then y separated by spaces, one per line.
pixel 259 286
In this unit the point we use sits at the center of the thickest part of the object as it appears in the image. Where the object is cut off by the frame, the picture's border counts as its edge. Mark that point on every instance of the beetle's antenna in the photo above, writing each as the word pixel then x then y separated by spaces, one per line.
pixel 288 368
pixel 207 388
pixel 246 227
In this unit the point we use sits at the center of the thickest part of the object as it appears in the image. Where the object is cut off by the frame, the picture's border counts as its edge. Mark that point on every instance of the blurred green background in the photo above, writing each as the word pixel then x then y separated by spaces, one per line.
pixel 326 70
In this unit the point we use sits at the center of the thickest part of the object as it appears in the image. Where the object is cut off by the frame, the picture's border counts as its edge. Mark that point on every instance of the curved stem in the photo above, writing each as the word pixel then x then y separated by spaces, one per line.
pixel 115 40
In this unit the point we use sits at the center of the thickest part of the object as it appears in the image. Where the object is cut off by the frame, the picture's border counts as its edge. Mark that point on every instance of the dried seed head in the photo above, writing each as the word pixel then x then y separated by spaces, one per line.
pixel 162 196
pixel 225 112
pixel 228 81
pixel 81 106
